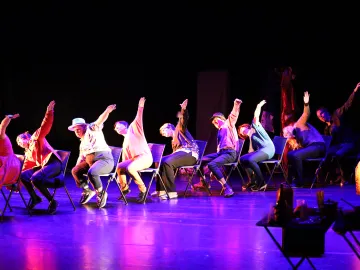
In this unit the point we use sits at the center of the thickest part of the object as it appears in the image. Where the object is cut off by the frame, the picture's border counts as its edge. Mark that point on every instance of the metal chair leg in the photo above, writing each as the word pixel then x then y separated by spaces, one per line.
pixel 270 178
pixel 5 199
pixel 6 205
pixel 121 193
pixel 23 199
pixel 52 198
pixel 68 194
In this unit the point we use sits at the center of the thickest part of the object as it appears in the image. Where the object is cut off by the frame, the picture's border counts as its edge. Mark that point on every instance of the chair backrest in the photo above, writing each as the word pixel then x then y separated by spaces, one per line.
pixel 240 148
pixel 64 155
pixel 279 143
pixel 202 147
pixel 116 153
pixel 327 140
pixel 157 151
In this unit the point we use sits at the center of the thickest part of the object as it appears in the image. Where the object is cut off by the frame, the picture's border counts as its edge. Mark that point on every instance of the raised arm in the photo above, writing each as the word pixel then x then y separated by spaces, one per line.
pixel 4 124
pixel 183 116
pixel 47 122
pixel 340 111
pixel 139 115
pixel 233 116
pixel 104 116
pixel 258 111
pixel 306 114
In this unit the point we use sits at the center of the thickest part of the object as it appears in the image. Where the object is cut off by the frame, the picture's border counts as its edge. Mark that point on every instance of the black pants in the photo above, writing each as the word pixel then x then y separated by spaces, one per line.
pixel 215 161
pixel 96 164
pixel 296 157
pixel 250 164
pixel 39 176
pixel 168 166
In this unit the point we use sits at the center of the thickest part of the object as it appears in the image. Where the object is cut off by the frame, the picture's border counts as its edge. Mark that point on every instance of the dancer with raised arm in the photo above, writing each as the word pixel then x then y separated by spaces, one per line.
pixel 343 138
pixel 227 147
pixel 95 157
pixel 185 152
pixel 261 148
pixel 41 161
pixel 9 163
pixel 136 154
pixel 311 141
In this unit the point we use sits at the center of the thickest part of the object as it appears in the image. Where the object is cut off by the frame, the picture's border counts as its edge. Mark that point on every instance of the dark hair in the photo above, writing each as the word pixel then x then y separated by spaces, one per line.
pixel 122 123
pixel 322 109
pixel 242 136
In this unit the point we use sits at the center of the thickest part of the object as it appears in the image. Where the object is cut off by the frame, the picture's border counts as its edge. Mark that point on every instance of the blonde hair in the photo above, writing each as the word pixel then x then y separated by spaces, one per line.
pixel 167 125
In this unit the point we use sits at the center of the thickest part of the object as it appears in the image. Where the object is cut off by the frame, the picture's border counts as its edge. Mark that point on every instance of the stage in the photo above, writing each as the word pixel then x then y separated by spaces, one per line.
pixel 197 232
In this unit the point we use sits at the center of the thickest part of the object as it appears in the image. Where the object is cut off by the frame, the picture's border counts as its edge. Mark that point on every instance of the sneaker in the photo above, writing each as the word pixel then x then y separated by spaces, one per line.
pixel 125 192
pixel 53 206
pixel 141 198
pixel 101 198
pixel 172 195
pixel 228 192
pixel 158 193
pixel 34 202
pixel 87 195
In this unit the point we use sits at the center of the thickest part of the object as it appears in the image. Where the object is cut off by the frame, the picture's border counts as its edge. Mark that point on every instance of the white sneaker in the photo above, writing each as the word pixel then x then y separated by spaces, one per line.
pixel 172 195
pixel 158 193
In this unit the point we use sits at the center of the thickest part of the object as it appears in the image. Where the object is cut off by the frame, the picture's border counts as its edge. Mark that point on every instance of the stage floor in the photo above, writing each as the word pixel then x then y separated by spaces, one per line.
pixel 197 232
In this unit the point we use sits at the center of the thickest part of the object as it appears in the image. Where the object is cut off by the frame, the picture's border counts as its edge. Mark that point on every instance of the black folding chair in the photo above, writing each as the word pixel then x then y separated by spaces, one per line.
pixel 320 160
pixel 59 181
pixel 157 151
pixel 235 165
pixel 116 153
pixel 196 167
pixel 279 143
pixel 13 187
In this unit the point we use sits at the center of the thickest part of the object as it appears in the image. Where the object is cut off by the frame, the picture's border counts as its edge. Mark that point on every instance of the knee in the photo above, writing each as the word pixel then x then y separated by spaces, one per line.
pixel 244 160
pixel 212 165
pixel 131 170
pixel 292 156
pixel 75 171
pixel 120 170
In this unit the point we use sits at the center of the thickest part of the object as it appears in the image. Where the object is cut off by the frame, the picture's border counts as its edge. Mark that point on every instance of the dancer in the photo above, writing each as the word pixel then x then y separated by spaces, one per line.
pixel 95 157
pixel 136 154
pixel 185 152
pixel 311 141
pixel 227 147
pixel 41 163
pixel 9 163
pixel 287 97
pixel 261 148
pixel 343 138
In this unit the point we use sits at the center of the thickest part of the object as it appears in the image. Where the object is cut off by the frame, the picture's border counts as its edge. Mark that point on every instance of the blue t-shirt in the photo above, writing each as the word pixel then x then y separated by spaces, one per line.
pixel 260 140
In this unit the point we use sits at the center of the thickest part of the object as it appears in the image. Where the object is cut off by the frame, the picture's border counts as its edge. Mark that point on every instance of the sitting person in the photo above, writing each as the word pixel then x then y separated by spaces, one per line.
pixel 136 154
pixel 261 148
pixel 41 161
pixel 343 140
pixel 95 157
pixel 227 147
pixel 311 142
pixel 291 144
pixel 9 163
pixel 185 152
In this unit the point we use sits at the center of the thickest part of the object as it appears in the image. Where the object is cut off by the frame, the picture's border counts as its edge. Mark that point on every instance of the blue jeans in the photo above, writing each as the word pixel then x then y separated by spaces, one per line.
pixel 215 161
pixel 250 163
pixel 39 176
pixel 296 157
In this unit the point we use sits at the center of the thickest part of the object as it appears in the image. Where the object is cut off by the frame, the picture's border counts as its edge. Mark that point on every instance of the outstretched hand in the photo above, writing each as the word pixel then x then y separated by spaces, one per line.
pixel 184 104
pixel 51 106
pixel 306 97
pixel 11 116
pixel 262 103
pixel 110 108
pixel 357 87
pixel 142 102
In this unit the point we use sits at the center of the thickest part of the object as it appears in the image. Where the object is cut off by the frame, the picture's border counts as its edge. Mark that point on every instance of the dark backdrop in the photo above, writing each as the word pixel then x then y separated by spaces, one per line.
pixel 87 57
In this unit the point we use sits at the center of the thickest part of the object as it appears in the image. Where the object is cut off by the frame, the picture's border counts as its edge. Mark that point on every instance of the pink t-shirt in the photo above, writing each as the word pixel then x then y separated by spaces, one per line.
pixel 9 163
pixel 135 143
